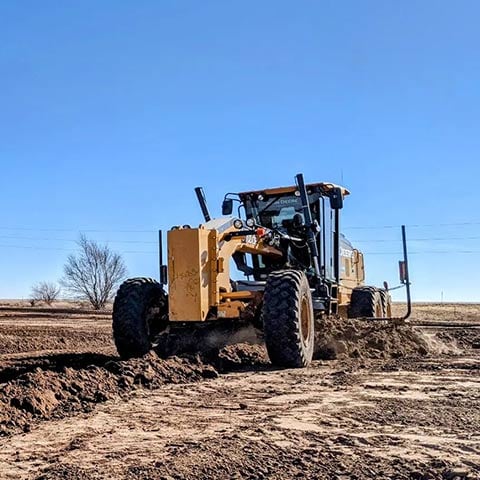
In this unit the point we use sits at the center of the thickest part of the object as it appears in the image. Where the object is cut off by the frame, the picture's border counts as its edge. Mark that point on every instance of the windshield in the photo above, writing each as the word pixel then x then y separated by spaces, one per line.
pixel 274 212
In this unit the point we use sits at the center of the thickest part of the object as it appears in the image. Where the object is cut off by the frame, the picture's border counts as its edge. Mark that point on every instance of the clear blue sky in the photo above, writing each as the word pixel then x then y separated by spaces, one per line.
pixel 112 112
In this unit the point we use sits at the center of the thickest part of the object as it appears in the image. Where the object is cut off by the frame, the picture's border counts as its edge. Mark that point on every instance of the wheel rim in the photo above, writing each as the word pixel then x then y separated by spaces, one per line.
pixel 305 324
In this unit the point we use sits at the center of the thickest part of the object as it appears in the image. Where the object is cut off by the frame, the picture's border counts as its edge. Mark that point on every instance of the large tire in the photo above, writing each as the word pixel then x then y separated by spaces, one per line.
pixel 365 302
pixel 386 302
pixel 140 312
pixel 288 320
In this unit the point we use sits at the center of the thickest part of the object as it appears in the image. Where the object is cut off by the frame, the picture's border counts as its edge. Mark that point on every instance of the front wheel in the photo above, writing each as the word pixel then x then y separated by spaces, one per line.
pixel 288 319
pixel 140 312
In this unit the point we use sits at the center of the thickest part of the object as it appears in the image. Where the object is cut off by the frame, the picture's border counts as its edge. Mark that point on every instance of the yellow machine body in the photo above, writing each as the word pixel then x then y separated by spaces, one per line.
pixel 352 269
pixel 189 274
pixel 199 267
pixel 199 270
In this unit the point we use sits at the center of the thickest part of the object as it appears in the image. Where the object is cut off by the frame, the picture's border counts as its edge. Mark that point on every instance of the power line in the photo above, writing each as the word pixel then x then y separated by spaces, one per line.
pixel 15 237
pixel 417 225
pixel 34 247
pixel 352 227
pixel 440 252
pixel 31 229
pixel 427 239
pixel 146 242
pixel 31 247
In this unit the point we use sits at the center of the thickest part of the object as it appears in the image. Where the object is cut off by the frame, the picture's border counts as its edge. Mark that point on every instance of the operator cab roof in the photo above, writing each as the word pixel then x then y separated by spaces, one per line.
pixel 323 188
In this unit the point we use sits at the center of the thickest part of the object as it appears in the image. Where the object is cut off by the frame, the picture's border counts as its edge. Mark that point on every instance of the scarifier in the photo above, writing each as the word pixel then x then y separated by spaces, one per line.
pixel 296 266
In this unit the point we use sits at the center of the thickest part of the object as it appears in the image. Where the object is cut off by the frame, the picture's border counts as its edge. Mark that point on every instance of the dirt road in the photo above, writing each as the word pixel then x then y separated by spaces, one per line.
pixel 350 418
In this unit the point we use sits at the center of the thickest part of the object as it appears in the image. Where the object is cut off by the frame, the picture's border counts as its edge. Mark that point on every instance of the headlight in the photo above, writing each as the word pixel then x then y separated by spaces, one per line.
pixel 238 224
pixel 250 222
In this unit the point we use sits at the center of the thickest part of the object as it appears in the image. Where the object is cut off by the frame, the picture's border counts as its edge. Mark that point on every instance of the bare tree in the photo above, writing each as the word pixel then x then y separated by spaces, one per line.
pixel 45 291
pixel 94 273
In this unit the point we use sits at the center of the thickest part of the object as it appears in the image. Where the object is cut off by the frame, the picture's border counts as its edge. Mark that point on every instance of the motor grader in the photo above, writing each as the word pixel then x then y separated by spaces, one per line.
pixel 293 265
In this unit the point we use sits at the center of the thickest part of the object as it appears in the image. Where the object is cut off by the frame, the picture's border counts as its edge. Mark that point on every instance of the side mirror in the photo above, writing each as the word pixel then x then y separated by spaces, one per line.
pixel 336 198
pixel 227 206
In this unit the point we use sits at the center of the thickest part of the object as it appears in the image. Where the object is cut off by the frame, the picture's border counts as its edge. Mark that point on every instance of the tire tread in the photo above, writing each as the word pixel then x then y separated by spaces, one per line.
pixel 281 319
pixel 130 330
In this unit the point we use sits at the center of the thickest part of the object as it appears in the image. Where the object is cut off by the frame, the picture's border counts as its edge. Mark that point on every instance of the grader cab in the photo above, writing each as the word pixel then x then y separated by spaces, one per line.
pixel 293 262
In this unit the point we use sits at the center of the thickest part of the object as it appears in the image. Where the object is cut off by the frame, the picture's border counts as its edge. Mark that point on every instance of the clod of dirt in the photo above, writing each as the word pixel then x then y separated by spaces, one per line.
pixel 241 356
pixel 40 402
pixel 342 338
pixel 53 394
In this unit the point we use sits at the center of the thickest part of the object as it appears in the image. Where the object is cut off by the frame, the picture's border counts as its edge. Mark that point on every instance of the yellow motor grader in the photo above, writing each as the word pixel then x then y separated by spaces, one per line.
pixel 287 245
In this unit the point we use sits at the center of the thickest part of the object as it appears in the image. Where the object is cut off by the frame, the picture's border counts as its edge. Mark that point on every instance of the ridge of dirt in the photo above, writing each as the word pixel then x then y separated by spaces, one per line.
pixel 53 386
pixel 343 338
pixel 46 394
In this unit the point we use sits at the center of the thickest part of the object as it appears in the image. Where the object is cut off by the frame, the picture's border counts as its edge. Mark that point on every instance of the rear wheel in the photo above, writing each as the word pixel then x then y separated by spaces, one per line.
pixel 386 302
pixel 365 302
pixel 140 312
pixel 288 319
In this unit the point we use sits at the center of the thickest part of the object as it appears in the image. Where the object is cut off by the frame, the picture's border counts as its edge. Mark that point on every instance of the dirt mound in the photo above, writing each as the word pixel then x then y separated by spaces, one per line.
pixel 241 356
pixel 341 338
pixel 46 394
pixel 54 386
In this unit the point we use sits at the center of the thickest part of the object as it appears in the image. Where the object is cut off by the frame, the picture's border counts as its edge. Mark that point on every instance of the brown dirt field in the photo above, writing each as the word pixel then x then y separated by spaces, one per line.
pixel 392 402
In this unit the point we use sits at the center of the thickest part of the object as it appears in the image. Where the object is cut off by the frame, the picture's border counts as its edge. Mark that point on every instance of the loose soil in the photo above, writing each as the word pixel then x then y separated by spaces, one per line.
pixel 381 401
